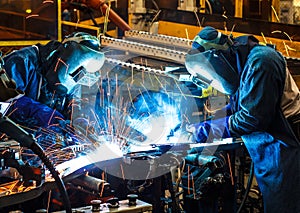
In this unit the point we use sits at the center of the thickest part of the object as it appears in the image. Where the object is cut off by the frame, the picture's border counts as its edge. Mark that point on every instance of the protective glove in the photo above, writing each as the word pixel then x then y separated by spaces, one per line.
pixel 58 135
pixel 205 132
pixel 86 128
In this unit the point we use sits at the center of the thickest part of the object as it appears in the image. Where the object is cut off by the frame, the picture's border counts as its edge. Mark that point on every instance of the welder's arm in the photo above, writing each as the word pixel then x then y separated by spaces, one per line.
pixel 206 131
pixel 33 114
pixel 43 119
pixel 8 87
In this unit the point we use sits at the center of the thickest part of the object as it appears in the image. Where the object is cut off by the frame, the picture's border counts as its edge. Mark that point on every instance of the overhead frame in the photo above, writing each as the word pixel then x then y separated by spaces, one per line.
pixel 58 36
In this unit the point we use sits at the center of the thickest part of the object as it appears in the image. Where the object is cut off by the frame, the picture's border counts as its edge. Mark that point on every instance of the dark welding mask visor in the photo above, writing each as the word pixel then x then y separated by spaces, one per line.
pixel 211 68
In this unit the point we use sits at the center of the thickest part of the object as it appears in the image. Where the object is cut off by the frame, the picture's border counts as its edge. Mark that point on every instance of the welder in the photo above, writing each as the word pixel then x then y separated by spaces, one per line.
pixel 50 76
pixel 264 109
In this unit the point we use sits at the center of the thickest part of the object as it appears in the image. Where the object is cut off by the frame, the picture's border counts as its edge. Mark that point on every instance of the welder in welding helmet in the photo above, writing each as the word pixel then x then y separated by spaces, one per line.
pixel 211 62
pixel 264 110
pixel 49 75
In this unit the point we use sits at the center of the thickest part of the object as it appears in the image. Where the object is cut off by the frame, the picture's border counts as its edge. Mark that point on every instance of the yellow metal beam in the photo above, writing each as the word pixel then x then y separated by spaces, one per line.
pixel 286 47
pixel 275 11
pixel 59 32
pixel 238 8
pixel 202 6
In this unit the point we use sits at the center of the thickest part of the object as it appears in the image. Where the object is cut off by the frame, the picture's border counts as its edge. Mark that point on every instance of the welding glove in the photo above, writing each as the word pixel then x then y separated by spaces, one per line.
pixel 84 125
pixel 59 135
pixel 206 131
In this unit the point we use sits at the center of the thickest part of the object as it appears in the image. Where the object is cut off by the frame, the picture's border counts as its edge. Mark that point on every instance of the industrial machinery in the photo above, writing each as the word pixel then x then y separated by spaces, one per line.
pixel 131 133
pixel 130 126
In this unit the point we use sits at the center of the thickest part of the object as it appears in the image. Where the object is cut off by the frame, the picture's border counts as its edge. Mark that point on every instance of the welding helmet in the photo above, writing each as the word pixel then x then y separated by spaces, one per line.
pixel 77 61
pixel 210 61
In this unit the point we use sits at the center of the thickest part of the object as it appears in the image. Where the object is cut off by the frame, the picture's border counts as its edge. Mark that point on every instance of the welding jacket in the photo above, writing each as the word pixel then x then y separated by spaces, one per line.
pixel 259 119
pixel 25 67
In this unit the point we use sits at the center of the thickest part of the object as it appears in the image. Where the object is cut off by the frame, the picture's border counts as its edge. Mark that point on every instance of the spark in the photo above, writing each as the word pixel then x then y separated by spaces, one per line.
pixel 144 100
pixel 150 79
pixel 284 33
pixel 117 88
pixel 265 40
pixel 162 86
pixel 290 48
pixel 180 89
pixel 132 75
pixel 224 15
pixel 230 169
pixel 51 116
pixel 286 49
pixel 198 21
pixel 275 13
pixel 102 190
pixel 225 27
pixel 232 29
pixel 130 97
pixel 193 184
pixel 33 15
pixel 49 200
pixel 186 33
pixel 288 36
pixel 12 112
pixel 48 1
pixel 59 60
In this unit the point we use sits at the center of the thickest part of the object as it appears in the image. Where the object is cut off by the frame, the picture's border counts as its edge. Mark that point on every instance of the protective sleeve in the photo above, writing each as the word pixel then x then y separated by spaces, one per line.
pixel 260 93
pixel 207 131
pixel 33 114
pixel 21 66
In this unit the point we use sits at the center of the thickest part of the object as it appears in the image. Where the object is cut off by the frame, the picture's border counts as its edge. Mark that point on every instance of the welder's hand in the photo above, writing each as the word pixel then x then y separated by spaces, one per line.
pixel 205 132
pixel 58 135
pixel 86 128
pixel 82 125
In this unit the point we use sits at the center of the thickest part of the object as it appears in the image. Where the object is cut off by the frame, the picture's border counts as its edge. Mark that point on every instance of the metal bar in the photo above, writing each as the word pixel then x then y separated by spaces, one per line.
pixel 238 9
pixel 144 49
pixel 134 66
pixel 159 39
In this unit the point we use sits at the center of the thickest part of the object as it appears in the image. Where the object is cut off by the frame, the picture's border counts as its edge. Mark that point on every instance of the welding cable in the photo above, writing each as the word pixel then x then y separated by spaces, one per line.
pixel 249 183
pixel 27 140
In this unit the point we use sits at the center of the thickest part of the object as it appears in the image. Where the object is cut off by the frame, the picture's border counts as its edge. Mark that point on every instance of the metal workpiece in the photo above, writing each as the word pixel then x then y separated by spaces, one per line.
pixel 159 39
pixel 174 74
pixel 143 49
pixel 135 67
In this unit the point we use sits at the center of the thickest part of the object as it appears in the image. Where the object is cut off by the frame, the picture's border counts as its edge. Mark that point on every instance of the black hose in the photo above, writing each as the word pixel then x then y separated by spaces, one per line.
pixel 249 183
pixel 11 129
pixel 37 149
